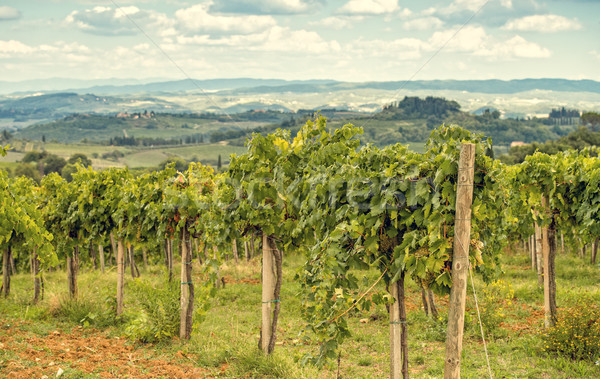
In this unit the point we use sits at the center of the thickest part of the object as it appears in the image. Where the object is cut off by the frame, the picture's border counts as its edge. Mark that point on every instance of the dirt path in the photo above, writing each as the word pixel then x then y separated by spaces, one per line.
pixel 26 352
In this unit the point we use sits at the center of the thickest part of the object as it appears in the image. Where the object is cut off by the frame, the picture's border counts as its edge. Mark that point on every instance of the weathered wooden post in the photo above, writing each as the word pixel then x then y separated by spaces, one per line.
pixel 549 254
pixel 187 288
pixel 120 275
pixel 460 261
pixel 268 290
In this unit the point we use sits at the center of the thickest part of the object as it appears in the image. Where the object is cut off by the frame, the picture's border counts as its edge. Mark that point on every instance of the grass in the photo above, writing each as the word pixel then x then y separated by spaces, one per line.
pixel 225 343
pixel 134 157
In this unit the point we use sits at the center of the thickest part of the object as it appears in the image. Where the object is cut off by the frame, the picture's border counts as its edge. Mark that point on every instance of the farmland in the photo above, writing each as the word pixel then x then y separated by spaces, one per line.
pixel 348 250
pixel 224 343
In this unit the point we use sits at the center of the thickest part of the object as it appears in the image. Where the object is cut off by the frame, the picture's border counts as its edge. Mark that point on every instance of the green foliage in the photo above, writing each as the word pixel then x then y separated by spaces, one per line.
pixel 576 140
pixel 80 310
pixel 391 209
pixel 81 159
pixel 576 334
pixel 497 296
pixel 157 319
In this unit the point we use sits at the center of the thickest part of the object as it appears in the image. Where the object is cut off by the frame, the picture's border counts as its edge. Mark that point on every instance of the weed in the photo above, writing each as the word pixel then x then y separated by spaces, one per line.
pixel 158 318
pixel 576 334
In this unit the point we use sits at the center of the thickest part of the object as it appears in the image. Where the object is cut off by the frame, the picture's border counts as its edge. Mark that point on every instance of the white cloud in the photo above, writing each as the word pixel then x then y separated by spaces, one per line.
pixel 548 23
pixel 334 22
pixel 264 6
pixel 275 39
pixel 13 47
pixel 469 38
pixel 197 19
pixel 595 54
pixel 372 7
pixel 475 41
pixel 472 5
pixel 108 21
pixel 399 49
pixel 516 47
pixel 423 23
pixel 9 13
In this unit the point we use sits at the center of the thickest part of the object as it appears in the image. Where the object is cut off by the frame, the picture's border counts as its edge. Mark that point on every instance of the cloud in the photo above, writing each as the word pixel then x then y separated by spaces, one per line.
pixel 265 6
pixel 114 22
pixel 45 52
pixel 9 13
pixel 516 47
pixel 475 41
pixel 423 23
pixel 369 7
pixel 492 13
pixel 197 19
pixel 399 49
pixel 469 38
pixel 548 23
pixel 274 39
pixel 12 47
pixel 335 22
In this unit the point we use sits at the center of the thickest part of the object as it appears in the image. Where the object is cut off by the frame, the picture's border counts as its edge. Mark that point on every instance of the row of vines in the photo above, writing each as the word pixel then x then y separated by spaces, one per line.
pixel 322 194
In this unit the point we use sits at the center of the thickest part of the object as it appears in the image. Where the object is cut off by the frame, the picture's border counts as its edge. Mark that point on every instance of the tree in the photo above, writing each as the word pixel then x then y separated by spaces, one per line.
pixel 27 170
pixel 81 158
pixel 53 163
pixel 179 164
pixel 219 164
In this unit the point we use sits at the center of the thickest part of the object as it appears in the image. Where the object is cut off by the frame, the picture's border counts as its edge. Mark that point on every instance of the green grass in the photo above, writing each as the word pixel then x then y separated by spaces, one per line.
pixel 226 341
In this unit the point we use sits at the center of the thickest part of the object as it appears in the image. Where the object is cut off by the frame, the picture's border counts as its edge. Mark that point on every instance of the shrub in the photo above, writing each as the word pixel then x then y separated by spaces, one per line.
pixel 157 319
pixel 576 334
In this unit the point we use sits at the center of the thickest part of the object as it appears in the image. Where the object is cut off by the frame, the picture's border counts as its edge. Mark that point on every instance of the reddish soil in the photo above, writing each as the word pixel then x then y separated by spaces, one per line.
pixel 87 351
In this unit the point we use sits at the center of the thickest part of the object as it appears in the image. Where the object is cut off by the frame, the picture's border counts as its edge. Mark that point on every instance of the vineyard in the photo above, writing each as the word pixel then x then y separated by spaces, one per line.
pixel 310 256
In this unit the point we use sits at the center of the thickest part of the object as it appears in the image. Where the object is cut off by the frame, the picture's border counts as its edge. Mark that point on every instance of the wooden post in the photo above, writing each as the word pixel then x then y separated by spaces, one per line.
pixel 395 335
pixel 562 242
pixel 72 270
pixel 398 330
pixel 92 253
pixel 120 274
pixel 539 254
pixel 432 307
pixel 101 256
pixel 187 288
pixel 36 277
pixel 145 257
pixel 460 261
pixel 532 252
pixel 424 300
pixel 246 251
pixel 268 289
pixel 235 251
pixel 594 251
pixel 549 253
pixel 6 271
pixel 113 244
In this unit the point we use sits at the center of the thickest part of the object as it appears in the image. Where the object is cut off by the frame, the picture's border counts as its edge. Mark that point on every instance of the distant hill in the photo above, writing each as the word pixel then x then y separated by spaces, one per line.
pixel 57 105
pixel 513 98
pixel 409 120
pixel 249 85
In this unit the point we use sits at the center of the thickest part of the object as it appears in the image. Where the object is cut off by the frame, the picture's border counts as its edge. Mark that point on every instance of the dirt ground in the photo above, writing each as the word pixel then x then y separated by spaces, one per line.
pixel 82 351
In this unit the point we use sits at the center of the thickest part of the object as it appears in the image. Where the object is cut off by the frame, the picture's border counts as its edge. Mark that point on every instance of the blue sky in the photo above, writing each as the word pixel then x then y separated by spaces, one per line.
pixel 352 40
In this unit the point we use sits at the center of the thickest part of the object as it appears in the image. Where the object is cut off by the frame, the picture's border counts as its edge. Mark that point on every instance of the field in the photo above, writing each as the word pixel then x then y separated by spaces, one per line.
pixel 74 337
pixel 133 157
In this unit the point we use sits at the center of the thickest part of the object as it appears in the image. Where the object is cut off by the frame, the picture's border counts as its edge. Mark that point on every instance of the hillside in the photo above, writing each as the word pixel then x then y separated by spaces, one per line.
pixel 408 121
pixel 21 106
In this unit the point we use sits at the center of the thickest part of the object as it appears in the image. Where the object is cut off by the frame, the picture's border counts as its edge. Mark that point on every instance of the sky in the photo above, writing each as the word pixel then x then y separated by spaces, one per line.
pixel 347 40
